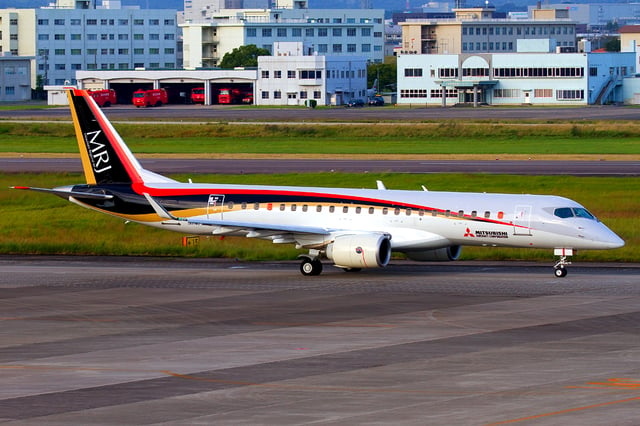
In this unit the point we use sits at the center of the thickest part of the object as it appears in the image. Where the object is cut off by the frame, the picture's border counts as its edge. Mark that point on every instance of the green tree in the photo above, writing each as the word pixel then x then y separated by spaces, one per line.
pixel 612 44
pixel 385 74
pixel 243 56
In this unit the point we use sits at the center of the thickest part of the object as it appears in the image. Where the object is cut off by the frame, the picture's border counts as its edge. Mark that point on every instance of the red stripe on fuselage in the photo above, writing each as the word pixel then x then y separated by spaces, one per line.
pixel 305 195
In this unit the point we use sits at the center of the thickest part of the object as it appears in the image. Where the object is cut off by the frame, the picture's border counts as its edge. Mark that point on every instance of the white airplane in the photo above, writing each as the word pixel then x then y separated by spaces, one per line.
pixel 353 228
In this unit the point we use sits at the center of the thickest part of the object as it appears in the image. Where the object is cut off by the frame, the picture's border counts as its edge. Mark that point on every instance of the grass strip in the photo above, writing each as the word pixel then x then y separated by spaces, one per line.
pixel 450 138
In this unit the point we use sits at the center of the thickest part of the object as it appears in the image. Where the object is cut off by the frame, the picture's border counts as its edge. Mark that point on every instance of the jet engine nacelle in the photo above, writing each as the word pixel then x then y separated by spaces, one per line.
pixel 441 254
pixel 360 251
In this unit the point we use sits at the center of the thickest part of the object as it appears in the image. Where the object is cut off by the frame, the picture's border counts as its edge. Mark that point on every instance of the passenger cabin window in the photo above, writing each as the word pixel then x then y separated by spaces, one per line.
pixel 371 210
pixel 487 214
pixel 332 209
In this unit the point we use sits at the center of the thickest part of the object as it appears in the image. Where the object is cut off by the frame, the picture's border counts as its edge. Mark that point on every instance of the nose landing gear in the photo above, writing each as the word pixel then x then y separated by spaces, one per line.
pixel 560 268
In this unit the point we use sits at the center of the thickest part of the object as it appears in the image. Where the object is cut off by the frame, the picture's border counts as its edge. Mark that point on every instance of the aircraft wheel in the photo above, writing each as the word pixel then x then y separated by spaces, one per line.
pixel 311 267
pixel 560 272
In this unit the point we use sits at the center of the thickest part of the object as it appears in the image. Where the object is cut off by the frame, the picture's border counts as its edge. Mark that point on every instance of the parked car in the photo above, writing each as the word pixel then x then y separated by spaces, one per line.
pixel 376 100
pixel 355 103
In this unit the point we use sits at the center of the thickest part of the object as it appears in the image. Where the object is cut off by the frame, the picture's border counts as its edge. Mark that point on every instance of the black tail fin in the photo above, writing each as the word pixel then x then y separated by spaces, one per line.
pixel 105 157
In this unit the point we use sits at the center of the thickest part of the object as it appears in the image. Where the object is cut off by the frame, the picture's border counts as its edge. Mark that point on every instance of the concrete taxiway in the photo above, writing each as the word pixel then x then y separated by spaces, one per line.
pixel 160 341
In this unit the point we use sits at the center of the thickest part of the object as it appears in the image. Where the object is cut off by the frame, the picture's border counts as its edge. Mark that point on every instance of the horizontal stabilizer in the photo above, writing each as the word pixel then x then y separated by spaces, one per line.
pixel 65 192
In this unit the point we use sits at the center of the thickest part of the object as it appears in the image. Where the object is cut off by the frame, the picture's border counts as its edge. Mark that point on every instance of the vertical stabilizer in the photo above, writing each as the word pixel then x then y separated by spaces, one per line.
pixel 105 157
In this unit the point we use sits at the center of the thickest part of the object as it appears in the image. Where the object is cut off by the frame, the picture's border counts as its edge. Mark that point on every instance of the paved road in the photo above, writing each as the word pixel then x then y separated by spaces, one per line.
pixel 417 113
pixel 237 166
pixel 148 341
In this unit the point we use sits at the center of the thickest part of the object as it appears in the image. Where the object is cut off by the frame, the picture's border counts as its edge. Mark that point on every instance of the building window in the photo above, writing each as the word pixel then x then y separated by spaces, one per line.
pixel 448 72
pixel 413 93
pixel 322 32
pixel 282 32
pixel 138 22
pixel 138 36
pixel 291 74
pixel 296 32
pixel 59 37
pixel 543 93
pixel 123 37
pixel 337 48
pixel 413 72
pixel 570 94
pixel 265 94
pixel 323 48
pixel 337 32
pixel 277 94
pixel 123 22
pixel 169 22
pixel 43 22
pixel 58 22
pixel 507 93
pixel 265 74
pixel 277 74
pixel 366 48
pixel 351 48
pixel 251 32
pixel 266 32
pixel 154 22
pixel 308 32
pixel 317 94
pixel 169 36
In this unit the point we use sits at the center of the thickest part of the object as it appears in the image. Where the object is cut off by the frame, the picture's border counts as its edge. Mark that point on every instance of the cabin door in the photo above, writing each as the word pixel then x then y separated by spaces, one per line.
pixel 215 205
pixel 522 220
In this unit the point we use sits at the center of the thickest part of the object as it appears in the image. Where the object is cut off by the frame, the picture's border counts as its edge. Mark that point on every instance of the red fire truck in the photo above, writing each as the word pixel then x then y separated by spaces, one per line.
pixel 228 95
pixel 104 98
pixel 197 95
pixel 147 98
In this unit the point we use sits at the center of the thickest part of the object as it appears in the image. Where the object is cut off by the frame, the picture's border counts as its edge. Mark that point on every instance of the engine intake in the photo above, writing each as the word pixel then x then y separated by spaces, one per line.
pixel 441 254
pixel 360 251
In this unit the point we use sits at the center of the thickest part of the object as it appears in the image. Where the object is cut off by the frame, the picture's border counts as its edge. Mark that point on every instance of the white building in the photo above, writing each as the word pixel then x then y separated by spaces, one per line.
pixel 15 78
pixel 292 78
pixel 78 35
pixel 514 78
pixel 335 32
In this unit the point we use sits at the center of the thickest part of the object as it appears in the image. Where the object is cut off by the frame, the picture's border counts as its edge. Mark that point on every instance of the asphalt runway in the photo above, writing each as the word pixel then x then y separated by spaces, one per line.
pixel 151 341
pixel 248 166
pixel 341 114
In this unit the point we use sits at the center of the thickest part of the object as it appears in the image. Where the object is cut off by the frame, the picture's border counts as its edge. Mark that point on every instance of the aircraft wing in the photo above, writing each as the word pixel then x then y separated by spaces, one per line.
pixel 237 225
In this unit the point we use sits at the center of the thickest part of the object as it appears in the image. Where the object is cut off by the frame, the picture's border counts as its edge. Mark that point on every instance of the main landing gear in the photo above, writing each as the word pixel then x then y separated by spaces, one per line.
pixel 560 268
pixel 310 266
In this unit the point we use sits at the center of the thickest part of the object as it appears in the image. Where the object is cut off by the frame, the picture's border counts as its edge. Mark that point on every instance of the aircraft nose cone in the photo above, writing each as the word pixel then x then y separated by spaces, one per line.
pixel 610 239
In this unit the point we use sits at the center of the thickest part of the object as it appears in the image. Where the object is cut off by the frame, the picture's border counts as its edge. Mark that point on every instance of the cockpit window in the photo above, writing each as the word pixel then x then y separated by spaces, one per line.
pixel 566 212
pixel 579 212
pixel 563 212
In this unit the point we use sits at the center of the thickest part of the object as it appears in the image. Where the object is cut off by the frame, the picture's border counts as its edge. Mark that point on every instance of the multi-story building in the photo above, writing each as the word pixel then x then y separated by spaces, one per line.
pixel 514 78
pixel 597 17
pixel 335 32
pixel 15 78
pixel 475 30
pixel 291 77
pixel 68 40
pixel 77 35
